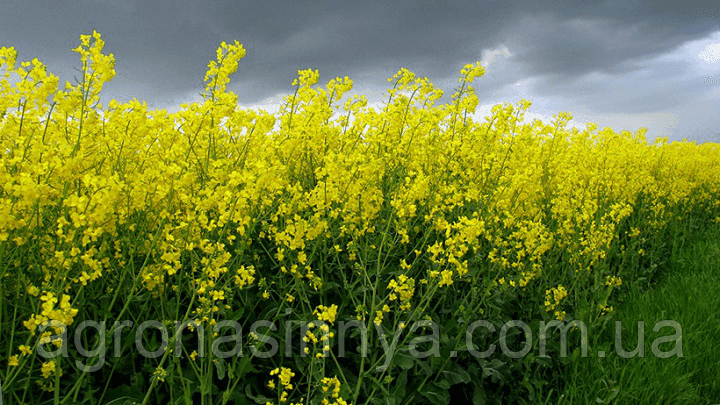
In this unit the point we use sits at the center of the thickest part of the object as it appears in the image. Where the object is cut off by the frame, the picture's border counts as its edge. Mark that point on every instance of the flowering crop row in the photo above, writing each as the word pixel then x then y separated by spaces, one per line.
pixel 329 210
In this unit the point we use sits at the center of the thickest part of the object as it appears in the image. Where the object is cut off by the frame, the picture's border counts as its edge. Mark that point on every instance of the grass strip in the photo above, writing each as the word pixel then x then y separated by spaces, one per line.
pixel 686 293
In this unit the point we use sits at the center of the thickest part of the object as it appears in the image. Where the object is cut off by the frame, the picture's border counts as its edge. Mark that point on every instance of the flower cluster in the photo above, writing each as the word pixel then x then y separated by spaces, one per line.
pixel 402 290
pixel 327 314
pixel 284 385
pixel 332 387
pixel 63 313
pixel 553 297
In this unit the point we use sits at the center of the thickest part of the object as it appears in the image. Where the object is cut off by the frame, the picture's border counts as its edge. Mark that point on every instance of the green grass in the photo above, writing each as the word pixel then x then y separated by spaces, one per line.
pixel 686 292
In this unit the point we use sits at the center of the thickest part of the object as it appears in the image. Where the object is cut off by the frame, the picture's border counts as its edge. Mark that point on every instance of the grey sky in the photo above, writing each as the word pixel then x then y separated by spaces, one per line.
pixel 623 64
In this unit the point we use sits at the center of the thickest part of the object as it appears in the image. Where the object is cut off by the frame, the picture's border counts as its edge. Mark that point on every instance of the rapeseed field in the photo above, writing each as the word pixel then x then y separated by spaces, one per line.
pixel 332 253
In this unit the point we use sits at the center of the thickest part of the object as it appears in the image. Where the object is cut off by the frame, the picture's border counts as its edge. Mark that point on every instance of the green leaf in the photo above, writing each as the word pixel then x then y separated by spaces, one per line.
pixel 383 401
pixel 381 385
pixel 259 399
pixel 400 386
pixel 530 388
pixel 495 375
pixel 124 395
pixel 404 360
pixel 220 367
pixel 237 315
pixel 436 394
pixel 443 383
pixel 455 374
pixel 425 367
pixel 125 401
pixel 329 286
pixel 245 366
pixel 544 360
pixel 479 396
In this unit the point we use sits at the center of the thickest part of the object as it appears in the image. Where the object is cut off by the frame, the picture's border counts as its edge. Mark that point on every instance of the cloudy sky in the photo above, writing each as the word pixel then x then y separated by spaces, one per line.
pixel 621 63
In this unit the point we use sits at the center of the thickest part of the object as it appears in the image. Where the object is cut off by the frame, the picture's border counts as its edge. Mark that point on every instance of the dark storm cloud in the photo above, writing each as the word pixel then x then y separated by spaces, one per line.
pixel 603 36
pixel 162 47
pixel 656 87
